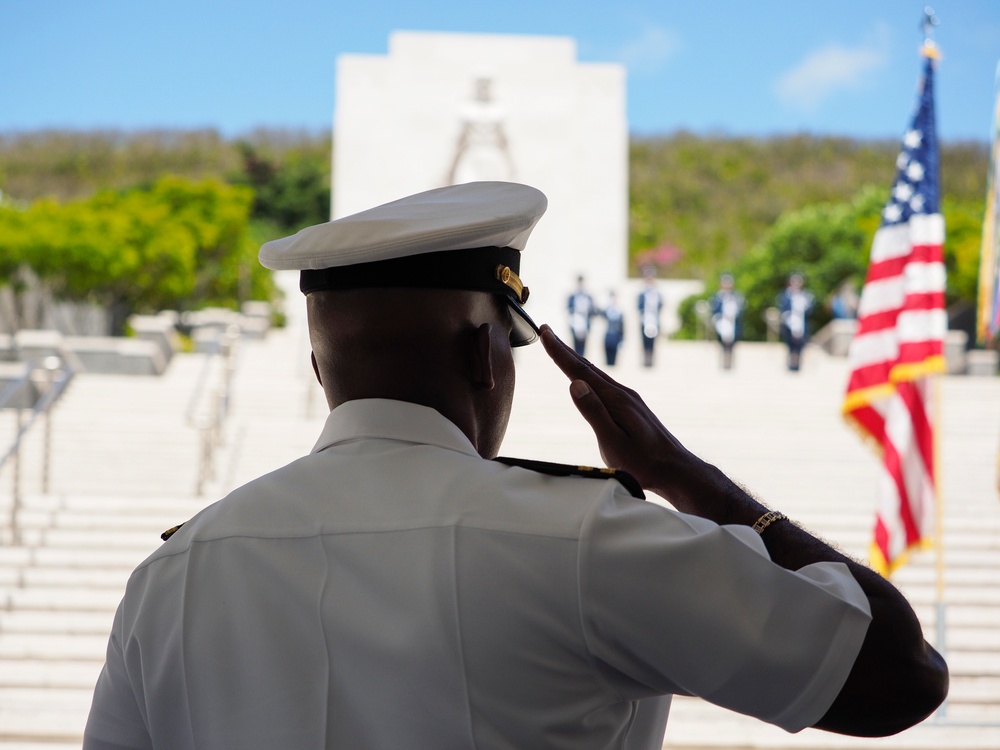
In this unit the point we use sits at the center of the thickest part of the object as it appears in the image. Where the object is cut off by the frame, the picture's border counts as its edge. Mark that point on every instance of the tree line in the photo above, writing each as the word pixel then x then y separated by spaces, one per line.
pixel 150 221
pixel 142 220
pixel 763 209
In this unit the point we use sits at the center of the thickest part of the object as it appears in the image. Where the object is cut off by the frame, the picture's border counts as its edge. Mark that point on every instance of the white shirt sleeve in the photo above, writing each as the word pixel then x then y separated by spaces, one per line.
pixel 685 606
pixel 115 722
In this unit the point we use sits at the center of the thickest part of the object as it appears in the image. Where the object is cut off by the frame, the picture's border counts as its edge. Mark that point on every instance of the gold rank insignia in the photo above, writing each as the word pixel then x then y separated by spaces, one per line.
pixel 626 480
pixel 170 532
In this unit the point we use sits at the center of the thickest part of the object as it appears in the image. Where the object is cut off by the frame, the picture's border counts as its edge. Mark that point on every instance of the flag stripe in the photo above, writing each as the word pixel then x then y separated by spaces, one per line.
pixel 898 239
pixel 924 320
pixel 906 497
pixel 917 335
pixel 909 393
pixel 926 259
pixel 909 280
pixel 901 507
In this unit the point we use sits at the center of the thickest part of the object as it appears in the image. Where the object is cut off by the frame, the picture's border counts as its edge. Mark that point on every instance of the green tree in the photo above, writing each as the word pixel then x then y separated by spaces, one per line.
pixel 823 242
pixel 177 245
pixel 74 165
pixel 13 228
pixel 830 243
pixel 715 197
pixel 963 222
pixel 827 243
pixel 290 193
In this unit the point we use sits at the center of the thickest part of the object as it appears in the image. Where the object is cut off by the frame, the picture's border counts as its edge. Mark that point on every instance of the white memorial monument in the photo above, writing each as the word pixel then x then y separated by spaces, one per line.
pixel 443 109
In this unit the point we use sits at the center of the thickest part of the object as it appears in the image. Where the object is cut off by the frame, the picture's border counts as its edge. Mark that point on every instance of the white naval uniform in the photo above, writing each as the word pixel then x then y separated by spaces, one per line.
pixel 395 590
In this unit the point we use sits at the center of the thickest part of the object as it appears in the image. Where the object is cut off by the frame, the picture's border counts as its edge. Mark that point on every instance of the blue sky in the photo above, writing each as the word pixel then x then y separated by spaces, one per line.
pixel 741 68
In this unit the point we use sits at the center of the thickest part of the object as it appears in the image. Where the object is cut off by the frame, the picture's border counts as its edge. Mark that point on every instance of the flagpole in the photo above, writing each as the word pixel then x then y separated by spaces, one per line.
pixel 940 607
pixel 929 49
pixel 939 512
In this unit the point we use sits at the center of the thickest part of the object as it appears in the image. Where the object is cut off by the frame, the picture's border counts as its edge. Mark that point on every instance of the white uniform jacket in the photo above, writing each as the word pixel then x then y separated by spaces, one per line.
pixel 395 590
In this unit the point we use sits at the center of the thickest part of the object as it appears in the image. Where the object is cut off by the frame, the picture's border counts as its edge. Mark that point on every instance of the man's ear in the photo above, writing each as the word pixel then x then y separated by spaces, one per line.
pixel 312 357
pixel 481 357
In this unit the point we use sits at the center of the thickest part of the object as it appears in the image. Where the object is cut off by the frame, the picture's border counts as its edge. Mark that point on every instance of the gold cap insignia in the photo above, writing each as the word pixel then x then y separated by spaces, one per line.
pixel 509 278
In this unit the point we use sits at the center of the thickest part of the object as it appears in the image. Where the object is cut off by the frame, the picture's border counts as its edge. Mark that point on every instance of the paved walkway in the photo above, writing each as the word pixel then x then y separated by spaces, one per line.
pixel 125 467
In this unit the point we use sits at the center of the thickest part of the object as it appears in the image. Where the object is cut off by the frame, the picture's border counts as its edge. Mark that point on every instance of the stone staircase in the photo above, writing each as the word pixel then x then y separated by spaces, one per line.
pixel 125 467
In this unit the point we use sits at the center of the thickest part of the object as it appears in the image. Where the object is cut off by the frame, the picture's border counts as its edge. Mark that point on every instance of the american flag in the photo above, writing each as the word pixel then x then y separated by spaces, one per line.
pixel 899 341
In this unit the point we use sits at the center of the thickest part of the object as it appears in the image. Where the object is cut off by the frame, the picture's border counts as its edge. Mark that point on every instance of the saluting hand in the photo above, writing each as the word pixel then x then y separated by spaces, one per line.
pixel 629 435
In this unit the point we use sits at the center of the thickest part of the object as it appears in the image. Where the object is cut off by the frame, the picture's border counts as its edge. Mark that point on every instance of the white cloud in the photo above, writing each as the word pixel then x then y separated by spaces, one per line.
pixel 650 50
pixel 827 71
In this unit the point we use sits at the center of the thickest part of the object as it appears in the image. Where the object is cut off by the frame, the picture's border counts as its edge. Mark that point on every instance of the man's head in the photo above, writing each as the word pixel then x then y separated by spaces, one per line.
pixel 420 300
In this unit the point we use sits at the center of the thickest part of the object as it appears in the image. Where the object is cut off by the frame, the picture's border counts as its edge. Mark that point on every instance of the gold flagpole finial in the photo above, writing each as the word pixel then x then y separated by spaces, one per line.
pixel 927 24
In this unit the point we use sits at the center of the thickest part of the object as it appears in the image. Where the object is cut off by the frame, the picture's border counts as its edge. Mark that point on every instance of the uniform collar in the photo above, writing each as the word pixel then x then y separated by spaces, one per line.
pixel 391 420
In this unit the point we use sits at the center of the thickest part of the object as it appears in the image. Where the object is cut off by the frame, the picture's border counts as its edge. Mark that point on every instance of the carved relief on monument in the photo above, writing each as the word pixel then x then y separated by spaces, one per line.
pixel 481 148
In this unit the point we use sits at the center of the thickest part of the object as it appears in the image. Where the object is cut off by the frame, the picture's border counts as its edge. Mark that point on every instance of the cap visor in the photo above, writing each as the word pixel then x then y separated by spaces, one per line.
pixel 524 331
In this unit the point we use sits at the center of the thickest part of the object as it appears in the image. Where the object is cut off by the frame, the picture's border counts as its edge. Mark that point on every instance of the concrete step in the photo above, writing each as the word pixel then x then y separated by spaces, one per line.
pixel 23 727
pixel 95 558
pixel 81 539
pixel 53 647
pixel 975 663
pixel 56 577
pixel 28 622
pixel 954 595
pixel 975 690
pixel 954 575
pixel 695 724
pixel 56 699
pixel 50 674
pixel 12 557
pixel 957 617
pixel 108 502
pixel 63 600
pixel 117 521
pixel 977 640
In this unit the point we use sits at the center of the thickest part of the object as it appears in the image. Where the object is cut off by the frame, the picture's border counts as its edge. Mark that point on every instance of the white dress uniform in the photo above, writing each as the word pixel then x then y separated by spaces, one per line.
pixel 395 590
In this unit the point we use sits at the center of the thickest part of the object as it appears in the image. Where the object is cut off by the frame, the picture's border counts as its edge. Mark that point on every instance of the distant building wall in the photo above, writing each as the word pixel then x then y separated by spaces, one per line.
pixel 445 108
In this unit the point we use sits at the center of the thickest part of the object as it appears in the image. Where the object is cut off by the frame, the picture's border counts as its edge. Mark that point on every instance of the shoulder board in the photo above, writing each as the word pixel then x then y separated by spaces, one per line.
pixel 170 532
pixel 627 481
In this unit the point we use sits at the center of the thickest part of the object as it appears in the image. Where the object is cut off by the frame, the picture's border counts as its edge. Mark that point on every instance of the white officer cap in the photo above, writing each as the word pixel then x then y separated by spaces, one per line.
pixel 467 236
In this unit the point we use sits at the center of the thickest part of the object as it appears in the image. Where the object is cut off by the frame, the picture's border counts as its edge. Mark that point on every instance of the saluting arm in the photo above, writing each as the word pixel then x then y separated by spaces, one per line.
pixel 897 680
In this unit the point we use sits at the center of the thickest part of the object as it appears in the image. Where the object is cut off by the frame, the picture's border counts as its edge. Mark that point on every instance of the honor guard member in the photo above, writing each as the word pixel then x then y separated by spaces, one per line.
pixel 650 303
pixel 727 311
pixel 581 309
pixel 795 304
pixel 399 588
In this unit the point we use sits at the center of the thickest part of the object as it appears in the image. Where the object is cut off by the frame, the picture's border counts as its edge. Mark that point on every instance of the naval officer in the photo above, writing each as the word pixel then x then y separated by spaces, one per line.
pixel 400 586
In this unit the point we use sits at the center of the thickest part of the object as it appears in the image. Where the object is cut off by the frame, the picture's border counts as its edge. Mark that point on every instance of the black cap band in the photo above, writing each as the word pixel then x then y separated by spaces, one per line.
pixel 471 269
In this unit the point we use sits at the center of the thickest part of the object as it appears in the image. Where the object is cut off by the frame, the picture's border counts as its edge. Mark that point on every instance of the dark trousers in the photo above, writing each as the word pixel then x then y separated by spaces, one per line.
pixel 611 346
pixel 727 355
pixel 648 342
pixel 795 346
